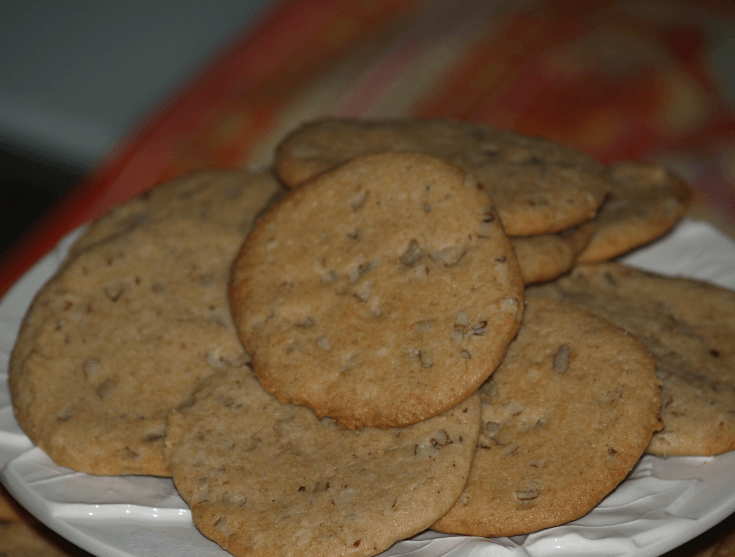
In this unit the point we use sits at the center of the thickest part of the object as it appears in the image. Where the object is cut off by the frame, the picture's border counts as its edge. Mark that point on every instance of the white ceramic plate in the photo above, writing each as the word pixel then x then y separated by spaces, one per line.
pixel 662 504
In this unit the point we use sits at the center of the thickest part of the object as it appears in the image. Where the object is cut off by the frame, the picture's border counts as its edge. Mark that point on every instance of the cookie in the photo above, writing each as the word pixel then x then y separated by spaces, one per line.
pixel 546 256
pixel 380 294
pixel 538 186
pixel 123 333
pixel 565 417
pixel 264 478
pixel 645 201
pixel 220 196
pixel 689 328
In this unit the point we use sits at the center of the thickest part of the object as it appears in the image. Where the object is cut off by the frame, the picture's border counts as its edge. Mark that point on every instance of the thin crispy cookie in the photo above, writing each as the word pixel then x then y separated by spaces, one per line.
pixel 689 328
pixel 268 479
pixel 538 186
pixel 546 256
pixel 224 197
pixel 123 333
pixel 645 201
pixel 565 417
pixel 382 293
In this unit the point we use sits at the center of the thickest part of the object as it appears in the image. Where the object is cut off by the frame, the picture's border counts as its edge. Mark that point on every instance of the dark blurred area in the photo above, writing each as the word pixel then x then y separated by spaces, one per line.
pixel 78 75
pixel 30 182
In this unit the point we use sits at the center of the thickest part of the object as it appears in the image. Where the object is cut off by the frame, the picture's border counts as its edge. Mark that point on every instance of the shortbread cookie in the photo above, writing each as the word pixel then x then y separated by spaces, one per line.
pixel 382 293
pixel 224 197
pixel 645 201
pixel 264 478
pixel 689 328
pixel 538 186
pixel 546 256
pixel 565 417
pixel 124 332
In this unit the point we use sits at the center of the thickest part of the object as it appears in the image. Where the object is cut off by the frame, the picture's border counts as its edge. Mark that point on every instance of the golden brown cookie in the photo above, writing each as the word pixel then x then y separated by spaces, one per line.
pixel 264 478
pixel 124 332
pixel 645 201
pixel 565 417
pixel 219 196
pixel 380 294
pixel 547 256
pixel 689 328
pixel 538 186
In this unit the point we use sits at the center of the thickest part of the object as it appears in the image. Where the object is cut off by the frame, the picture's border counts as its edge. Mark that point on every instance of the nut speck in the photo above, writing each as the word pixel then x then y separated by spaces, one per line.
pixel 91 369
pixel 222 525
pixel 527 495
pixel 511 305
pixel 359 270
pixel 426 360
pixel 412 255
pixel 440 438
pixel 306 323
pixel 365 292
pixel 104 389
pixel 448 256
pixel 113 291
pixel 215 360
pixel 345 495
pixel 424 326
pixel 561 359
pixel 359 200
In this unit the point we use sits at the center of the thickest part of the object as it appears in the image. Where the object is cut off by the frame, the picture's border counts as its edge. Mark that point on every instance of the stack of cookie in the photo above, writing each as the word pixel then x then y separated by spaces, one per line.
pixel 131 324
pixel 343 365
pixel 558 206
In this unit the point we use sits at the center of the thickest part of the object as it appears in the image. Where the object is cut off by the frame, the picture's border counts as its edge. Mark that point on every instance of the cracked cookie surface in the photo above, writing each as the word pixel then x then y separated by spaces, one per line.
pixel 380 294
